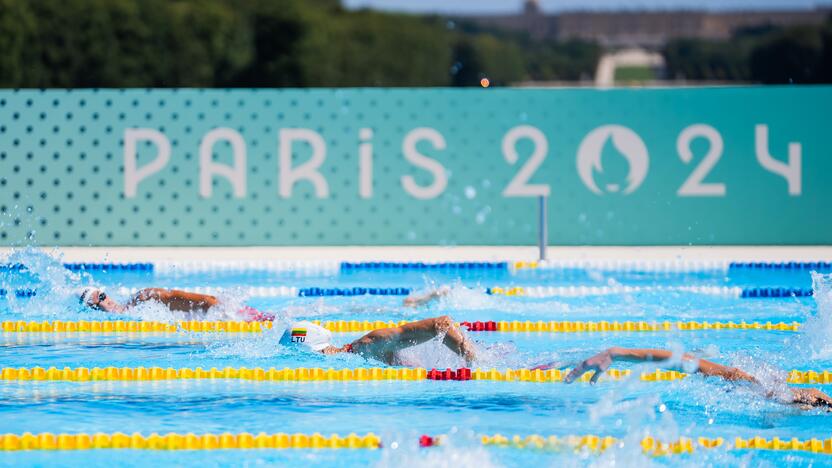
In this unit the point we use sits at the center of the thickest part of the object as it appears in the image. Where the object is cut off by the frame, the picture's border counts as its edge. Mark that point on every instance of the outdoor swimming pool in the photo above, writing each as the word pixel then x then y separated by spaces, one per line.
pixel 399 411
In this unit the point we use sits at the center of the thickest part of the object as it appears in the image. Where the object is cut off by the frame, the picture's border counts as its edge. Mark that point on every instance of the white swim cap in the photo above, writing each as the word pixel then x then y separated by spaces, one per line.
pixel 85 294
pixel 306 333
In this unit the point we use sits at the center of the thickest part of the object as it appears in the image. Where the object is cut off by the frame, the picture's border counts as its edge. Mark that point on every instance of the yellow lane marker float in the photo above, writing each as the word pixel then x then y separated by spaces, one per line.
pixel 281 441
pixel 304 374
pixel 173 441
pixel 347 326
pixel 134 326
pixel 653 447
pixel 525 265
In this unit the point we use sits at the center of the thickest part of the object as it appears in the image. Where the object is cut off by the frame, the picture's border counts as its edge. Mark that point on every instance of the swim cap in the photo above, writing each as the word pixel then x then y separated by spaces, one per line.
pixel 306 333
pixel 84 294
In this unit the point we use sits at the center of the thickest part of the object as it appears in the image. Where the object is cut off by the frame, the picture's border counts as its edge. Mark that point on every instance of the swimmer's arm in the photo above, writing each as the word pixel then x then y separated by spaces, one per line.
pixel 416 300
pixel 601 362
pixel 806 398
pixel 385 341
pixel 175 299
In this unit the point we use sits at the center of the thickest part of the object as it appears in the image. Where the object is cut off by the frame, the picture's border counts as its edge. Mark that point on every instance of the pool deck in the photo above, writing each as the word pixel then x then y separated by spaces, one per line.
pixel 467 253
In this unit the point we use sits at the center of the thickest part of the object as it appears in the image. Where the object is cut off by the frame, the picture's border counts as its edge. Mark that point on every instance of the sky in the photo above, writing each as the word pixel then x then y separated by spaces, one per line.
pixel 503 6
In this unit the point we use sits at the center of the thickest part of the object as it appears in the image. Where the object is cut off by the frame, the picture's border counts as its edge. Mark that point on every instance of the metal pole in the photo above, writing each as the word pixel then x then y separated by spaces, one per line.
pixel 543 228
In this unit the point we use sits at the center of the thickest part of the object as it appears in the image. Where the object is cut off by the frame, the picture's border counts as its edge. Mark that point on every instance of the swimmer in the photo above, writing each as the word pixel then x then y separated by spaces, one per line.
pixel 385 343
pixel 806 398
pixel 420 299
pixel 173 299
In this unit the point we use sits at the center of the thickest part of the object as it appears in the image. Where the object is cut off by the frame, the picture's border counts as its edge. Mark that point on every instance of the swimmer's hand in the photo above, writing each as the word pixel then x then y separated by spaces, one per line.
pixel 809 398
pixel 598 363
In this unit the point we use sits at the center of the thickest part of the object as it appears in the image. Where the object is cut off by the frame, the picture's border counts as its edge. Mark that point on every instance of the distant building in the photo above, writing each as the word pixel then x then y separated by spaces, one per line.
pixel 647 28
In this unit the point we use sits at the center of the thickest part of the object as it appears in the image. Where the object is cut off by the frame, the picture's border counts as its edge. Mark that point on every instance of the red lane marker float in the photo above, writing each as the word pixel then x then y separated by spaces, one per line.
pixel 462 373
pixel 480 326
pixel 427 441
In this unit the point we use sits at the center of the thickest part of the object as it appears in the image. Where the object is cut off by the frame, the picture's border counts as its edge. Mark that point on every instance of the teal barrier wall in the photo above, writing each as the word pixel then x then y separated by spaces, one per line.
pixel 415 166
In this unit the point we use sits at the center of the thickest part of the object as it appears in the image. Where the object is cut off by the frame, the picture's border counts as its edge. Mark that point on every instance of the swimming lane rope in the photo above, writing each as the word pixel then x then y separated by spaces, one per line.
pixel 167 268
pixel 651 446
pixel 528 291
pixel 514 291
pixel 282 441
pixel 317 374
pixel 355 326
pixel 174 441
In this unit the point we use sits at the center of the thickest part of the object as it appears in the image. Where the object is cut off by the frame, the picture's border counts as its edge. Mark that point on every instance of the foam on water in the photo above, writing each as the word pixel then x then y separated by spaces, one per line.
pixel 717 457
pixel 467 298
pixel 227 309
pixel 260 346
pixel 655 305
pixel 626 406
pixel 459 449
pixel 350 308
pixel 817 330
pixel 644 415
pixel 57 288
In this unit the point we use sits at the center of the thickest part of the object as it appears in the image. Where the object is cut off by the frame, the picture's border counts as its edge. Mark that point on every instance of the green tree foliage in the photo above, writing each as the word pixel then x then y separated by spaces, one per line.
pixel 826 58
pixel 210 43
pixel 367 48
pixel 541 60
pixel 125 43
pixel 561 61
pixel 769 55
pixel 16 26
pixel 276 29
pixel 502 62
pixel 789 56
pixel 260 43
pixel 481 56
pixel 467 68
pixel 696 59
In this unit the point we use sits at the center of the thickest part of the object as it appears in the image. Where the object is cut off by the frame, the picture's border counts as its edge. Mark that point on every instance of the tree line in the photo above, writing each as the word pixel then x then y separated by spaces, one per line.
pixel 766 54
pixel 262 43
pixel 303 43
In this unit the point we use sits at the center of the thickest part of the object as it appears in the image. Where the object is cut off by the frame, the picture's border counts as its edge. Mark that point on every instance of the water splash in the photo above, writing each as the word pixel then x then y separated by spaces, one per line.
pixel 461 297
pixel 229 307
pixel 260 346
pixel 57 293
pixel 459 449
pixel 304 310
pixel 817 330
pixel 626 407
pixel 57 287
pixel 429 354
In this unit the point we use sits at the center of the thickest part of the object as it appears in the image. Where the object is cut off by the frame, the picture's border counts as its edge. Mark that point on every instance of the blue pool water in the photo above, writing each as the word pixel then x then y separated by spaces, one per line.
pixel 400 412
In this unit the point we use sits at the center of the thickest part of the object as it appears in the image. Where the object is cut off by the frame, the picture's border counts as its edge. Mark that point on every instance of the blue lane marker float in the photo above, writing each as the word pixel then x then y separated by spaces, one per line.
pixel 19 292
pixel 146 267
pixel 420 266
pixel 356 291
pixel 111 267
pixel 302 292
pixel 788 266
pixel 775 292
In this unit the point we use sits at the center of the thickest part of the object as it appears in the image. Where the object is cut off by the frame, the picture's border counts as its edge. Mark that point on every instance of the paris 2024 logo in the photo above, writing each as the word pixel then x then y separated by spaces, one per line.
pixel 627 143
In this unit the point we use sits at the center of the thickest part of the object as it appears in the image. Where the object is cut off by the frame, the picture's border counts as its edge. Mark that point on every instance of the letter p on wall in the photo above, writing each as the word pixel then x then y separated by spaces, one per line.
pixel 134 174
